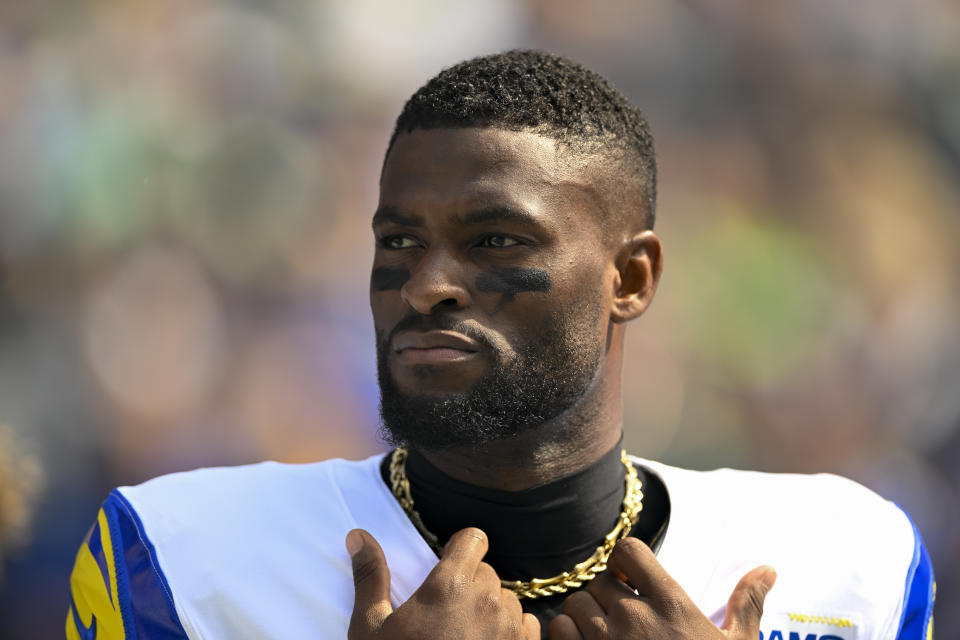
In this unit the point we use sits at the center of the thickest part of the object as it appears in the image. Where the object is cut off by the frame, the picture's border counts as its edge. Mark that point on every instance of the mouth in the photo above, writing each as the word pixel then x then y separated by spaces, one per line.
pixel 433 347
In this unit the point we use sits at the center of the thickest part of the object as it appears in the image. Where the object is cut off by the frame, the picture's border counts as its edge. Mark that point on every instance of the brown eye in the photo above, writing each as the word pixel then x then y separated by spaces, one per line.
pixel 398 242
pixel 498 241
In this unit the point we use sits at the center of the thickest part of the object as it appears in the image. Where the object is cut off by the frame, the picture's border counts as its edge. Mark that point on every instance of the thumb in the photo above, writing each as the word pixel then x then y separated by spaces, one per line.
pixel 745 606
pixel 371 584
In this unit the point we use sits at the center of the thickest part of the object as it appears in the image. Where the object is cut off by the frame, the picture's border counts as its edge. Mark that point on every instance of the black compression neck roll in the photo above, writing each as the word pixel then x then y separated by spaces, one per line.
pixel 543 531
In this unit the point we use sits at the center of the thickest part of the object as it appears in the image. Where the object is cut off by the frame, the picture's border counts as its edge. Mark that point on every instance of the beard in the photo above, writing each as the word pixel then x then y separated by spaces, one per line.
pixel 543 380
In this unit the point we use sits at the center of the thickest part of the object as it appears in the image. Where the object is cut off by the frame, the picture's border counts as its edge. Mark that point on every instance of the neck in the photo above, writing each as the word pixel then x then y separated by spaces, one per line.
pixel 560 447
pixel 568 515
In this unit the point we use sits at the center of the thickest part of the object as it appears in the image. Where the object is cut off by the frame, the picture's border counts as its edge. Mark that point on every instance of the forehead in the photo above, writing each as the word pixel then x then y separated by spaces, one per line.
pixel 470 167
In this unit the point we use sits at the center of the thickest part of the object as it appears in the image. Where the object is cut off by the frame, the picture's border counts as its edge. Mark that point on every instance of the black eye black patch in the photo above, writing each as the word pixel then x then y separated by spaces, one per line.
pixel 510 282
pixel 389 278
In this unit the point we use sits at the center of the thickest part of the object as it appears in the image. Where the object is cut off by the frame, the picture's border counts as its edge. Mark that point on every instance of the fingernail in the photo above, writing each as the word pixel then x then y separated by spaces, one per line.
pixel 354 542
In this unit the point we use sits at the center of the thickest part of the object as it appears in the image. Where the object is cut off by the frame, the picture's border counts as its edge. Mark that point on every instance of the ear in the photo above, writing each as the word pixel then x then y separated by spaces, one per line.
pixel 639 265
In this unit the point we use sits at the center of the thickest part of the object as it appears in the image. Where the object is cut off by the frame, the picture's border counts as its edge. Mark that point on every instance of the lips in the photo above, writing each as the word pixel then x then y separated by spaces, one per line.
pixel 433 347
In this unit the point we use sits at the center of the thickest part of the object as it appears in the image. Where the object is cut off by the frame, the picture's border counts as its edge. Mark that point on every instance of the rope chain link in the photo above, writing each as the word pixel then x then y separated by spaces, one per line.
pixel 538 587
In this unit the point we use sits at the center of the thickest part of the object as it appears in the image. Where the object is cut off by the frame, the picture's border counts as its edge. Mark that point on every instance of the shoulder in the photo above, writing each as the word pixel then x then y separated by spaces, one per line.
pixel 775 488
pixel 204 507
pixel 791 507
pixel 840 549
pixel 178 551
pixel 273 481
pixel 117 590
pixel 810 514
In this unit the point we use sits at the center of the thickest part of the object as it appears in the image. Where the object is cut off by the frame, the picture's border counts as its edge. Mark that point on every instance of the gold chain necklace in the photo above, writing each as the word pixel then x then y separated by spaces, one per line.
pixel 561 583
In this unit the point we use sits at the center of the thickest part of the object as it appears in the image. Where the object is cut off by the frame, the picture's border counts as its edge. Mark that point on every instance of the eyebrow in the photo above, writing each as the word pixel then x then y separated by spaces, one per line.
pixel 496 214
pixel 388 214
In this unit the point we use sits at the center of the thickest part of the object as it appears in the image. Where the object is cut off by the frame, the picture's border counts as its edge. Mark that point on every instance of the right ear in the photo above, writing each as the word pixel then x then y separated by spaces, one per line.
pixel 639 266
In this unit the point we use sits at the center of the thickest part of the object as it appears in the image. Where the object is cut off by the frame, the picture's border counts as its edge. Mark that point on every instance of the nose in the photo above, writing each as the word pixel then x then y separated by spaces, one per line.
pixel 435 282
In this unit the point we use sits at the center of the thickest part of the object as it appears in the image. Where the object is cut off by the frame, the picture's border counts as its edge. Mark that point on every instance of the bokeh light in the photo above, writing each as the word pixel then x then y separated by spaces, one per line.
pixel 185 196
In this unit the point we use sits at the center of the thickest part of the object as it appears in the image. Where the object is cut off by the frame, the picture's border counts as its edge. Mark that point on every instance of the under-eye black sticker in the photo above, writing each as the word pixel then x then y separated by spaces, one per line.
pixel 389 278
pixel 510 282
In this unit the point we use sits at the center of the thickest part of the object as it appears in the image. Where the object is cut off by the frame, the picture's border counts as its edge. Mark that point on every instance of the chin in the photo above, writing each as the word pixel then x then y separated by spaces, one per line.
pixel 427 391
pixel 433 381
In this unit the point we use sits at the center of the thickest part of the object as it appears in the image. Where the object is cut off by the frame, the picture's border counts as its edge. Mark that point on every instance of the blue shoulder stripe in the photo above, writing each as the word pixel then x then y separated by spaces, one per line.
pixel 117 589
pixel 94 542
pixel 146 601
pixel 917 618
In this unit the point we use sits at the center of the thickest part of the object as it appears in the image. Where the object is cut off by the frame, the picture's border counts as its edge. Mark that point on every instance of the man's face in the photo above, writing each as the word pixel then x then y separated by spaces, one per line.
pixel 490 288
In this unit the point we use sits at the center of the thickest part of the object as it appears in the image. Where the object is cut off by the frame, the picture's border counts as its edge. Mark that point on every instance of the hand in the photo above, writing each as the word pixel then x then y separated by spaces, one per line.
pixel 609 608
pixel 461 598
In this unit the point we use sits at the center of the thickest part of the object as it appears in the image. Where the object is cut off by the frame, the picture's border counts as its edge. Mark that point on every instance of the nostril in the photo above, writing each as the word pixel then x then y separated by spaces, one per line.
pixel 446 303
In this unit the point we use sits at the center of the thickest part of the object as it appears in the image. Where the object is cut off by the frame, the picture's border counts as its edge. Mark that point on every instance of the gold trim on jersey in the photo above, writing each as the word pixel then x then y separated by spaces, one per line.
pixel 94 601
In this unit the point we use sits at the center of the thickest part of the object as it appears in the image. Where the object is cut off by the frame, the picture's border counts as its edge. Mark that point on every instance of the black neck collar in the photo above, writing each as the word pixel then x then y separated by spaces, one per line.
pixel 542 531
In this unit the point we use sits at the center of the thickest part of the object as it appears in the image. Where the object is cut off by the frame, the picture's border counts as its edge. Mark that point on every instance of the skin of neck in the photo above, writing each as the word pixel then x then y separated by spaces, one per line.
pixel 560 447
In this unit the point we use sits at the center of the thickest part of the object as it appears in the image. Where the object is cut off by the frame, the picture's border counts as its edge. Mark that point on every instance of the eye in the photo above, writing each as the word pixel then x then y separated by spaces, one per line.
pixel 397 242
pixel 497 241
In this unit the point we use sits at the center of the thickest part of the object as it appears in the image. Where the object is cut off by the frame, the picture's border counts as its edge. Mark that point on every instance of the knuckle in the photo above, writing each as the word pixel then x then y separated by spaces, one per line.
pixel 633 617
pixel 597 585
pixel 509 599
pixel 755 599
pixel 623 609
pixel 363 570
pixel 442 572
pixel 673 607
pixel 431 592
pixel 362 621
pixel 597 628
pixel 739 601
pixel 445 583
pixel 631 545
pixel 575 602
pixel 487 603
pixel 457 584
pixel 511 628
pixel 749 605
pixel 637 619
pixel 487 573
pixel 562 626
pixel 627 613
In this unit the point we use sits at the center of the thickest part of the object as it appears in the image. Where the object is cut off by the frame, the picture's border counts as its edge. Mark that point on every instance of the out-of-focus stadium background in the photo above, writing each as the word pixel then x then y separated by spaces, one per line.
pixel 185 194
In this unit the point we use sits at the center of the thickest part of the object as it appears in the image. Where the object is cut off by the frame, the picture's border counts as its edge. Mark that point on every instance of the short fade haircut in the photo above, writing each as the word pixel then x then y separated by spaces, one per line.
pixel 539 91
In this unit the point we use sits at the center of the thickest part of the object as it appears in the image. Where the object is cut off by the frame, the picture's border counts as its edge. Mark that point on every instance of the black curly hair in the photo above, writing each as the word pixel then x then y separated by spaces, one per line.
pixel 539 91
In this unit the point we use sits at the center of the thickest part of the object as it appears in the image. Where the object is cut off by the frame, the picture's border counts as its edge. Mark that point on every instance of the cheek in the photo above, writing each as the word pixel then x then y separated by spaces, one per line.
pixel 387 309
pixel 385 302
pixel 388 278
pixel 508 283
pixel 579 277
pixel 584 297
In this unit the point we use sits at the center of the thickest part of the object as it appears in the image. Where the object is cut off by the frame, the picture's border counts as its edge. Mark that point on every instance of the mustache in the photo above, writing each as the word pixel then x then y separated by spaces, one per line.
pixel 419 322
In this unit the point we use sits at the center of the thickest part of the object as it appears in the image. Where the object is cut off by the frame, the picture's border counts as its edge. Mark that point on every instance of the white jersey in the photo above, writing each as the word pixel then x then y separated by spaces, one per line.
pixel 257 552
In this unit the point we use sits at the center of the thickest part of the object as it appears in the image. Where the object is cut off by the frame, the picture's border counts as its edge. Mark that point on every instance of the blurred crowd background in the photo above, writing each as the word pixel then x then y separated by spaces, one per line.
pixel 185 195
